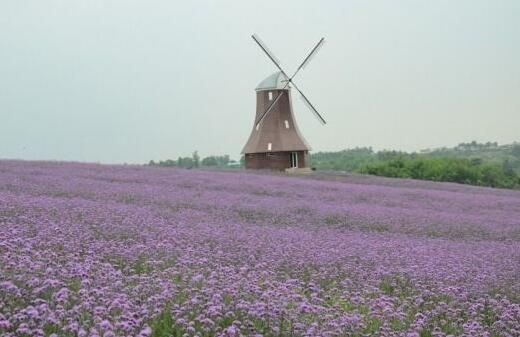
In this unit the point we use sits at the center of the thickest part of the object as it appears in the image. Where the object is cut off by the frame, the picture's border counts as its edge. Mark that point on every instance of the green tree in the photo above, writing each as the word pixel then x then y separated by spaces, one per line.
pixel 515 150
pixel 209 161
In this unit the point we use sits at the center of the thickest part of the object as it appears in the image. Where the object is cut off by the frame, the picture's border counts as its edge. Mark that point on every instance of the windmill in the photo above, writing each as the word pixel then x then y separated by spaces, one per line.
pixel 275 141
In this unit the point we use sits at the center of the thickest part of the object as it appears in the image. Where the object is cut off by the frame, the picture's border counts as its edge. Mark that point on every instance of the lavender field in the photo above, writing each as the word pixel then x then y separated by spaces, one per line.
pixel 94 250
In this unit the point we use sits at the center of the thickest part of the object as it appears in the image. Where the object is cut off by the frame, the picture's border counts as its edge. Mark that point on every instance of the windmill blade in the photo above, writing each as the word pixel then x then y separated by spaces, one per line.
pixel 269 108
pixel 268 53
pixel 289 79
pixel 310 56
pixel 310 106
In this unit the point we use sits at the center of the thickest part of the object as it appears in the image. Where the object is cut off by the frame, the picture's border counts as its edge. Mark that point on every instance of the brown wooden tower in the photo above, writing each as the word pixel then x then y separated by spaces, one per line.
pixel 275 142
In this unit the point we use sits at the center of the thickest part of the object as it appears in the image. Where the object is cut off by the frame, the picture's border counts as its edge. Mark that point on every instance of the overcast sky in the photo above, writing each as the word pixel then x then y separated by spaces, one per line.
pixel 129 81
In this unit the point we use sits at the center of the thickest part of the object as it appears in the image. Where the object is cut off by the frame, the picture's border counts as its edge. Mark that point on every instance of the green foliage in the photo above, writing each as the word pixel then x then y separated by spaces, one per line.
pixel 462 171
pixel 162 325
pixel 397 285
pixel 166 163
pixel 425 333
pixel 195 161
pixel 372 326
pixel 185 162
pixel 346 160
pixel 485 164
pixel 50 328
pixel 216 161
pixel 75 285
pixel 398 325
pixel 515 150
pixel 141 266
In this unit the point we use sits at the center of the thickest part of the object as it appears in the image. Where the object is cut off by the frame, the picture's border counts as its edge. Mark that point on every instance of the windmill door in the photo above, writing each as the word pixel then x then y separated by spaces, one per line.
pixel 294 159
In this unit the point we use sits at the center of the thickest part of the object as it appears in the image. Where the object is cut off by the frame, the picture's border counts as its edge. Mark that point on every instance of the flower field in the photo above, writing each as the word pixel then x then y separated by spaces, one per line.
pixel 98 250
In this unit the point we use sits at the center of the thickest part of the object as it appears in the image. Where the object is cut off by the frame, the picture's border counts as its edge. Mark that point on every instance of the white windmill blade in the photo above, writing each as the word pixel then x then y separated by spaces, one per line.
pixel 269 108
pixel 268 53
pixel 310 106
pixel 312 53
pixel 263 46
pixel 309 57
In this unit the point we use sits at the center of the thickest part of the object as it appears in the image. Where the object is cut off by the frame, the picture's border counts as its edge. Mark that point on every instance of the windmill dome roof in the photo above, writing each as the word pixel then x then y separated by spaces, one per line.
pixel 275 81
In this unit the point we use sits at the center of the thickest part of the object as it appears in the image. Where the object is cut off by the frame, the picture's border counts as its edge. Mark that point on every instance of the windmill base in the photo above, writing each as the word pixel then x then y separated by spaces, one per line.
pixel 279 161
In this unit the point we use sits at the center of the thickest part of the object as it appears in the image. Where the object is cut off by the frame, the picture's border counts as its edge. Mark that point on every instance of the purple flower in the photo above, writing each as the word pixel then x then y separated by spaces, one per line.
pixel 110 250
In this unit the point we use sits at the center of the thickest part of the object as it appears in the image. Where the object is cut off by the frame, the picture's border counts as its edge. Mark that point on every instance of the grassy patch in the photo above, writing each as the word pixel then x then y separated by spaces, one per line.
pixel 128 199
pixel 75 285
pixel 50 329
pixel 335 219
pixel 397 285
pixel 251 215
pixel 375 227
pixel 141 266
pixel 425 333
pixel 372 325
pixel 399 325
pixel 162 325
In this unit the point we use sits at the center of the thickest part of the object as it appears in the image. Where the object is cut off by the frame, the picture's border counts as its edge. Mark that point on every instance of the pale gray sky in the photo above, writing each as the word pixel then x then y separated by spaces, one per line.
pixel 128 81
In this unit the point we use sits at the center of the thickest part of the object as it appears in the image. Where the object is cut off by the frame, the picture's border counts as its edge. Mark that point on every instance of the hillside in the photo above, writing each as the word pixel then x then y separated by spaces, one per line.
pixel 472 163
pixel 128 250
pixel 355 159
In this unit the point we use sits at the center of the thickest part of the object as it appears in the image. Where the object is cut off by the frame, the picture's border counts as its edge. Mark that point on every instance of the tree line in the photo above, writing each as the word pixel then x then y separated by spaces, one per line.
pixel 195 161
pixel 464 171
pixel 485 164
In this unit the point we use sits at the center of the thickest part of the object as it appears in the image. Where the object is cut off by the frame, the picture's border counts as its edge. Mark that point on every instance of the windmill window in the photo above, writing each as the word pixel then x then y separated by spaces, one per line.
pixel 270 95
pixel 286 124
pixel 269 146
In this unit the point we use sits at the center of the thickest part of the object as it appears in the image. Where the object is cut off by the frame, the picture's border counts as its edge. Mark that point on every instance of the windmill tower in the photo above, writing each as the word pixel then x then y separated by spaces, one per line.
pixel 276 142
